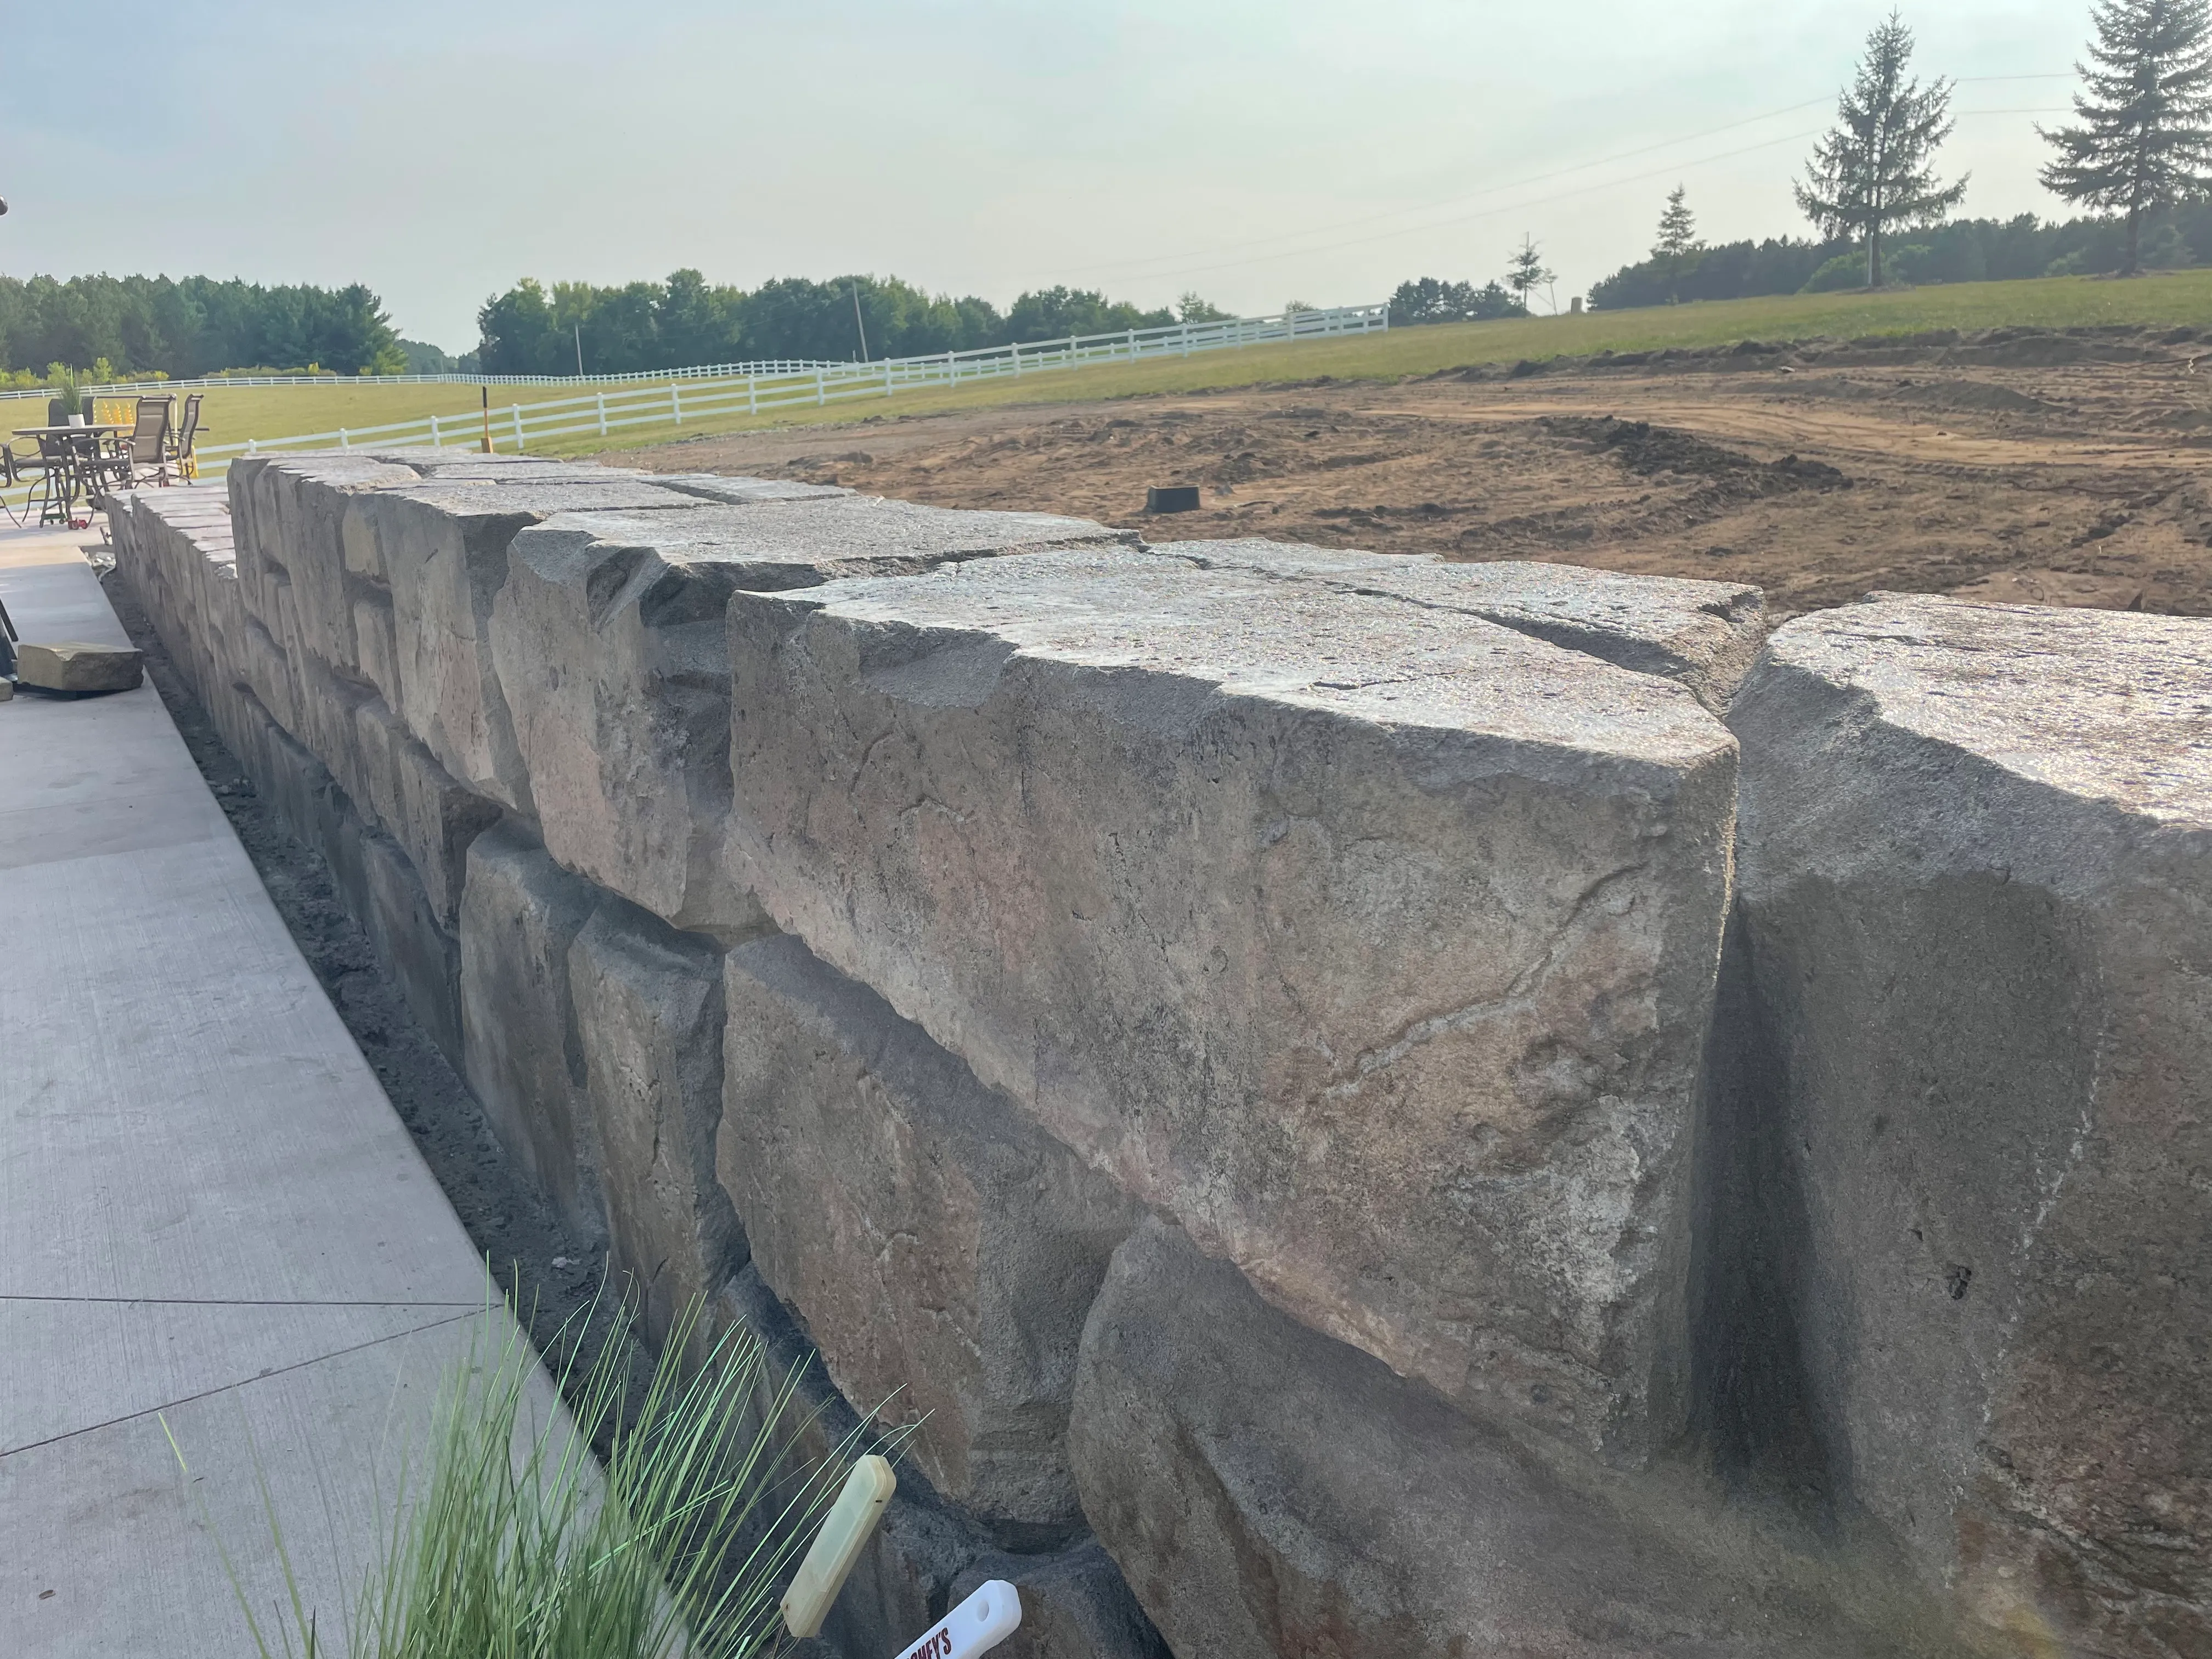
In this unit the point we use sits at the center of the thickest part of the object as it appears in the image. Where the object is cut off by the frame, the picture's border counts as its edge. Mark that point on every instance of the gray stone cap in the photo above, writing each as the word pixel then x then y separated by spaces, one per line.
pixel 948 638
pixel 540 498
pixel 777 543
pixel 2105 705
pixel 1705 633
pixel 716 487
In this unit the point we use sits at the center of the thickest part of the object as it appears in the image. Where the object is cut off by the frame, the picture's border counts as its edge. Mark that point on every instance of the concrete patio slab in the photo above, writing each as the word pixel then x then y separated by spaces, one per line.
pixel 210 1217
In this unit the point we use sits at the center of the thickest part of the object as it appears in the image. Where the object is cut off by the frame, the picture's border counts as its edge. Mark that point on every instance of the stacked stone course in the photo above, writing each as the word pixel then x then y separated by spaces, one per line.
pixel 1373 1106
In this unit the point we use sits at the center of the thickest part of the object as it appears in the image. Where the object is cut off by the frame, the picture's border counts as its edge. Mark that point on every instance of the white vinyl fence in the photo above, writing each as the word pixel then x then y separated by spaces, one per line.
pixel 753 388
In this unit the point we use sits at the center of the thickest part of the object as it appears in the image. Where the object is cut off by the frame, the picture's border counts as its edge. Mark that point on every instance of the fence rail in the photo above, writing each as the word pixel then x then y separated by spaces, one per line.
pixel 753 388
pixel 1281 325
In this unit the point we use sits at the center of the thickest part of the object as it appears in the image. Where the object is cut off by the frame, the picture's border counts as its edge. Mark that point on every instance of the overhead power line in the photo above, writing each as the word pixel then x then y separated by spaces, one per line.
pixel 1168 265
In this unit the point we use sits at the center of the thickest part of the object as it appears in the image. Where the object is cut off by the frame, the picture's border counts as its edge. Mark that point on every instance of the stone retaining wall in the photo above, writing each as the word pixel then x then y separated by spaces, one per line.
pixel 1374 1106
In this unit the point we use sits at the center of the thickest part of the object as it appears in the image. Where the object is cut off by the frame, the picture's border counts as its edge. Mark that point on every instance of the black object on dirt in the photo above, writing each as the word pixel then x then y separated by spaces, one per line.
pixel 1171 498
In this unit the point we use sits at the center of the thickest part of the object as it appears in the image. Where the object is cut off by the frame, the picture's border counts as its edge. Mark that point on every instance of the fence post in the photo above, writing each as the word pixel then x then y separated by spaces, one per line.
pixel 820 386
pixel 752 394
pixel 603 414
pixel 1185 339
pixel 343 444
pixel 676 403
pixel 1018 361
pixel 434 432
pixel 518 427
pixel 887 377
pixel 951 370
pixel 1133 345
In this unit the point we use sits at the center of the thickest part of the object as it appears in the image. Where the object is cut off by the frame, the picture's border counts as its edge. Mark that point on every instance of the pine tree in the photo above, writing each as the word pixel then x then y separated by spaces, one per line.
pixel 1525 272
pixel 1678 239
pixel 1871 173
pixel 2145 137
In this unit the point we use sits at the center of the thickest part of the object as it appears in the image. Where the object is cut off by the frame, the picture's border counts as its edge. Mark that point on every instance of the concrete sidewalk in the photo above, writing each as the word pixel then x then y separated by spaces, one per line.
pixel 208 1208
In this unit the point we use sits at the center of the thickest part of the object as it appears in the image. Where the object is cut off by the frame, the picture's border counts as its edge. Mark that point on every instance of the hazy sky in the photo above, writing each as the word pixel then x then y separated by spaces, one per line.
pixel 1256 152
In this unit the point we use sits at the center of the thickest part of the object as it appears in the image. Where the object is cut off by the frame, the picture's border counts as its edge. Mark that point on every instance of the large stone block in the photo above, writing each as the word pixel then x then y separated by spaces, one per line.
pixel 648 1004
pixel 440 547
pixel 73 665
pixel 1370 939
pixel 1270 1492
pixel 416 801
pixel 1976 898
pixel 520 913
pixel 609 642
pixel 290 512
pixel 1703 633
pixel 942 1249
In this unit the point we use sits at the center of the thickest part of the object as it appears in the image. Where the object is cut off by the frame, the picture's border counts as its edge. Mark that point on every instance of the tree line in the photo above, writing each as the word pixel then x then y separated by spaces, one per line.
pixel 2139 150
pixel 686 321
pixel 191 325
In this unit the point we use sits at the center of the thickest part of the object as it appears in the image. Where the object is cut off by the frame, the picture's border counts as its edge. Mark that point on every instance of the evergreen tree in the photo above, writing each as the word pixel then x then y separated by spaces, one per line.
pixel 1871 174
pixel 1678 239
pixel 1525 272
pixel 2145 137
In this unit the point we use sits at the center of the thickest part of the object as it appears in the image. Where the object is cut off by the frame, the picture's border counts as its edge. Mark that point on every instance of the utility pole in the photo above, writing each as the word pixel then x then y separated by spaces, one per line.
pixel 860 324
pixel 579 349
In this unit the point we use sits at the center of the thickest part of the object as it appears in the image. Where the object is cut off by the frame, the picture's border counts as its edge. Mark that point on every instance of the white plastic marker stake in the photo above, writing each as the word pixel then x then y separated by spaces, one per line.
pixel 851 1519
pixel 977 1625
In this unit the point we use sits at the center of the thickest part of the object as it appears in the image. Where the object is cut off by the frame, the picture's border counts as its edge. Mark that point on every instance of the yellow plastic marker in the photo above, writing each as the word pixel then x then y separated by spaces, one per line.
pixel 851 1521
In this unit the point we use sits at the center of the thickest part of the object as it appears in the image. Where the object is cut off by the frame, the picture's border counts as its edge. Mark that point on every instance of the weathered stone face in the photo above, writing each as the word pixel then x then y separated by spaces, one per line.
pixel 291 519
pixel 441 547
pixel 1702 634
pixel 608 640
pixel 418 803
pixel 1977 888
pixel 648 1004
pixel 944 1249
pixel 1268 1491
pixel 1371 940
pixel 521 913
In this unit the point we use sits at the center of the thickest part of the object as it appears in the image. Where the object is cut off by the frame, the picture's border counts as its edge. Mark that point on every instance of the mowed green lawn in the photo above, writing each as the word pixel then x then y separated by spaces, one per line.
pixel 231 415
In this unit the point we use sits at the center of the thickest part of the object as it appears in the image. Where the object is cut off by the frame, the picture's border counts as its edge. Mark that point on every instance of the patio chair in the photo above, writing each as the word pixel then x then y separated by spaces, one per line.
pixel 143 457
pixel 63 456
pixel 18 469
pixel 187 433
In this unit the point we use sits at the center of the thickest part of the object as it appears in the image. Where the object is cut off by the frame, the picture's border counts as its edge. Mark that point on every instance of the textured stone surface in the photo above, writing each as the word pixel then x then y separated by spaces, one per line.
pixel 648 1012
pixel 1371 940
pixel 73 665
pixel 1977 888
pixel 1270 1492
pixel 1703 633
pixel 1075 1605
pixel 291 519
pixel 608 641
pixel 521 913
pixel 440 547
pixel 418 803
pixel 714 487
pixel 942 1250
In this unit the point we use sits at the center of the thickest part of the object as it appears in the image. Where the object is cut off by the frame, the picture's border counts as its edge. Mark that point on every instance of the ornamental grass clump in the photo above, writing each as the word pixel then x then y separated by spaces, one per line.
pixel 509 1539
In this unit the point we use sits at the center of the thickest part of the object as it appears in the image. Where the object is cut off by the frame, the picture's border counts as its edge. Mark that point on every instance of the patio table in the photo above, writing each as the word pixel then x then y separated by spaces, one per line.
pixel 79 464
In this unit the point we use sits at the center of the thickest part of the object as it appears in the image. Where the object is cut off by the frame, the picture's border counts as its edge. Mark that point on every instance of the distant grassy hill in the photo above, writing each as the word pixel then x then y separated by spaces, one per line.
pixel 2179 299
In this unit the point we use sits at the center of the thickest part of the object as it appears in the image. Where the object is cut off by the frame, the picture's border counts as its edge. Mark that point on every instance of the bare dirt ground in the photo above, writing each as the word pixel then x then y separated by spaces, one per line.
pixel 2058 468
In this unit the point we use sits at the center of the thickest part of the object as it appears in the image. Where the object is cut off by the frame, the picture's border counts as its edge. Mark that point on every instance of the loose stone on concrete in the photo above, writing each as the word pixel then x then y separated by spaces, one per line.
pixel 648 1012
pixel 608 639
pixel 520 913
pixel 1270 1492
pixel 1371 940
pixel 944 1249
pixel 1976 892
pixel 72 665
pixel 1702 634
